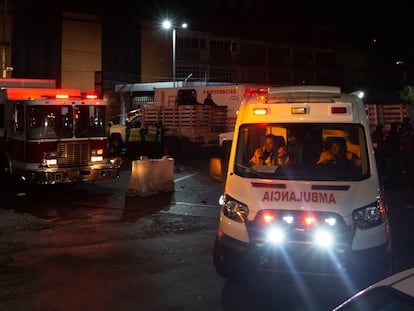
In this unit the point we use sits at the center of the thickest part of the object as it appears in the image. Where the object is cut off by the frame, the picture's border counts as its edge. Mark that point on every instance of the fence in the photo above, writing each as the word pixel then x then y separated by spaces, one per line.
pixel 387 114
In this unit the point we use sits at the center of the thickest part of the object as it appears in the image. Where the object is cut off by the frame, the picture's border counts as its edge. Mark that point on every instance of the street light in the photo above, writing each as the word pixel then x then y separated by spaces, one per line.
pixel 167 25
pixel 402 64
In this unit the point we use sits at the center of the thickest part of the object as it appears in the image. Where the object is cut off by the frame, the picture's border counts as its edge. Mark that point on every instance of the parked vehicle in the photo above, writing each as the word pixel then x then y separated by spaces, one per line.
pixel 312 202
pixel 50 135
pixel 187 123
pixel 395 292
pixel 118 133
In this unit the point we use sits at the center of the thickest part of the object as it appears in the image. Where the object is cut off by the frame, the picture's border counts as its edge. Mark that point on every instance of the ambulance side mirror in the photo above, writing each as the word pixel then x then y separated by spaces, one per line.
pixel 216 169
pixel 219 165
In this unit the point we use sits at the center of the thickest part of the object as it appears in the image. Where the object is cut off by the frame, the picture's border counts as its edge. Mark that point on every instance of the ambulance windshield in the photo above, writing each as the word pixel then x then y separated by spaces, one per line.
pixel 305 151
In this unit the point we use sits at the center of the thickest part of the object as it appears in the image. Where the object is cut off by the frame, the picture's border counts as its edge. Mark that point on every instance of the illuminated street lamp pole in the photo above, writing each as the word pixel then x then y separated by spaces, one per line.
pixel 167 25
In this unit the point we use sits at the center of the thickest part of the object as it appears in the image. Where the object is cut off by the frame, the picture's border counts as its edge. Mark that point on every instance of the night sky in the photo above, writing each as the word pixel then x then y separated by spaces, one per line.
pixel 386 26
pixel 390 22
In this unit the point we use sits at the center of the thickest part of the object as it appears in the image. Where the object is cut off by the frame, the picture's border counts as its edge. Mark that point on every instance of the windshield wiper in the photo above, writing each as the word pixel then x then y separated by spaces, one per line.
pixel 251 170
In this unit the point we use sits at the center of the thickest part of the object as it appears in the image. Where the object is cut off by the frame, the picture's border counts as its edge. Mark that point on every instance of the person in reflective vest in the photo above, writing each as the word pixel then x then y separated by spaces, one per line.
pixel 151 134
pixel 160 132
pixel 135 133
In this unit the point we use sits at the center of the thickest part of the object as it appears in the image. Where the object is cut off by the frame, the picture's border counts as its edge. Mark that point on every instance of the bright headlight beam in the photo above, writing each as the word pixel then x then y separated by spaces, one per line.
pixel 323 238
pixel 330 221
pixel 275 235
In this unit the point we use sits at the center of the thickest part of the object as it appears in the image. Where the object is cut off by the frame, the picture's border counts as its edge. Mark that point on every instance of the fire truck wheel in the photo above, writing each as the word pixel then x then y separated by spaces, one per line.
pixel 115 144
pixel 4 169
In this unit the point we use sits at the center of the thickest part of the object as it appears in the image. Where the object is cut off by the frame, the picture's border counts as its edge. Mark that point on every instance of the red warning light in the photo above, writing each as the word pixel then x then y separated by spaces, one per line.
pixel 62 96
pixel 268 218
pixel 339 110
pixel 309 220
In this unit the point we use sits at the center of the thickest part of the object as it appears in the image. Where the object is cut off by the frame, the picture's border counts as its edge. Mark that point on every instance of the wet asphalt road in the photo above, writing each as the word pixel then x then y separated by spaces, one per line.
pixel 95 247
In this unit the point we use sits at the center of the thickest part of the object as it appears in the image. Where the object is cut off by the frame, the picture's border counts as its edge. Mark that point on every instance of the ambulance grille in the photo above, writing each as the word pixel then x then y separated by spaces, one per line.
pixel 73 154
pixel 297 230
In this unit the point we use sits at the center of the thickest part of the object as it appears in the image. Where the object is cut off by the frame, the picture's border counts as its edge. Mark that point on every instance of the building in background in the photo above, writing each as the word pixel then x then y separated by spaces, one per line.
pixel 46 42
pixel 92 45
pixel 211 57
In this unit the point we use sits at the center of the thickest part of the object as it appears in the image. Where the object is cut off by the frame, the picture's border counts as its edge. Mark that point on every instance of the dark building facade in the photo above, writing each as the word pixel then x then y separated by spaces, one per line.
pixel 228 41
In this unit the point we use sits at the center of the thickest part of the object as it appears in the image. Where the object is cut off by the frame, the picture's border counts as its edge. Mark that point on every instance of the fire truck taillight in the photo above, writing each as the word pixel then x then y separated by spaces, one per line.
pixel 260 111
pixel 97 155
pixel 91 96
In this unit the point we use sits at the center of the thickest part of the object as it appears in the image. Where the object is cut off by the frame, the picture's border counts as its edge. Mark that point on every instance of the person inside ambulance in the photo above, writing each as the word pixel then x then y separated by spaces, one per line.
pixel 337 154
pixel 274 152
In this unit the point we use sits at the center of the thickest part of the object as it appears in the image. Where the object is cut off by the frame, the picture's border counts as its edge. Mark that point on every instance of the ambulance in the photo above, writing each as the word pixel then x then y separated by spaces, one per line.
pixel 306 215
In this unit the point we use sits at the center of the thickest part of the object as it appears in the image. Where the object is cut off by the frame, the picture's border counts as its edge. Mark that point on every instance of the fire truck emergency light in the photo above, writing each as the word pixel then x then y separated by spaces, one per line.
pixel 62 96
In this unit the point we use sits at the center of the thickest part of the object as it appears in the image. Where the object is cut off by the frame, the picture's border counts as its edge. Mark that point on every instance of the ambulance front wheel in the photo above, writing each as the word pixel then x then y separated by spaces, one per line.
pixel 228 264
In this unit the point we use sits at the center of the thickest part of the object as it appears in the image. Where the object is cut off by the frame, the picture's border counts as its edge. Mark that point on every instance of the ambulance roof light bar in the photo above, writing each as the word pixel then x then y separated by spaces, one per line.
pixel 46 94
pixel 305 89
pixel 305 93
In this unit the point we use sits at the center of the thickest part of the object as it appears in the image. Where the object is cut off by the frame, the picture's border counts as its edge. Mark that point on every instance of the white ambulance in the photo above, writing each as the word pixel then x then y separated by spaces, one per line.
pixel 320 211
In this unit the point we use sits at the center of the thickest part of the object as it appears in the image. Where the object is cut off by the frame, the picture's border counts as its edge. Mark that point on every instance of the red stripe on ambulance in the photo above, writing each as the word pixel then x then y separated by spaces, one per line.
pixel 302 196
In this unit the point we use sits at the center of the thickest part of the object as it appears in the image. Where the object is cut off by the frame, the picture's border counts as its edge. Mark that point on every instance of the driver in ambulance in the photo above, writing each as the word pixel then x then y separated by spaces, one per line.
pixel 270 153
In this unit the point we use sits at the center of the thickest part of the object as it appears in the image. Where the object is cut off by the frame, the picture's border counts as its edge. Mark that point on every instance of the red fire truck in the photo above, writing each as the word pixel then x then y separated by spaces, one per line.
pixel 51 136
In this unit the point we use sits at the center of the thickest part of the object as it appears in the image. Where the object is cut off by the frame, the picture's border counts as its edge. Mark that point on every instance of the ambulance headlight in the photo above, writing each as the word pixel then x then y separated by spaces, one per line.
pixel 324 238
pixel 369 216
pixel 234 209
pixel 276 235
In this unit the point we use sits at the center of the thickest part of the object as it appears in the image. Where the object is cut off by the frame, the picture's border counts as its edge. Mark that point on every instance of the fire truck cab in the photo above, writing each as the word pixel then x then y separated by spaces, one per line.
pixel 299 207
pixel 52 136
